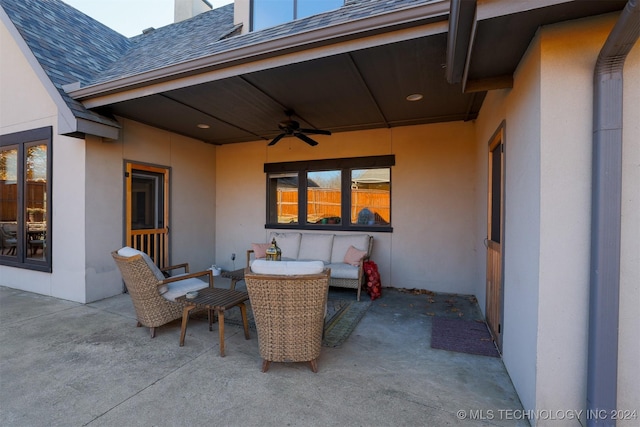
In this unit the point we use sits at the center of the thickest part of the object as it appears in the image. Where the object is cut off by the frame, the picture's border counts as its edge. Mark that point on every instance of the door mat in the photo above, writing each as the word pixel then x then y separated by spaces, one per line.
pixel 462 336
pixel 342 318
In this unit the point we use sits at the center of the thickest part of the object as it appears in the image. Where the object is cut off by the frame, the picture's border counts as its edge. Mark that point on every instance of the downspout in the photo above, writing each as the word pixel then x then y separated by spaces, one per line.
pixel 602 367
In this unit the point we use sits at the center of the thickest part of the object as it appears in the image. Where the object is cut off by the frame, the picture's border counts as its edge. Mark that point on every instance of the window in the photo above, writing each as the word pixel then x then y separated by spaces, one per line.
pixel 267 13
pixel 337 194
pixel 25 199
pixel 324 197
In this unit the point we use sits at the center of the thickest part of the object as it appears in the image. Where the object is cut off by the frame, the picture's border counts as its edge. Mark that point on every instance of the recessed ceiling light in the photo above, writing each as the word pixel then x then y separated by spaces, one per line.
pixel 414 97
pixel 203 126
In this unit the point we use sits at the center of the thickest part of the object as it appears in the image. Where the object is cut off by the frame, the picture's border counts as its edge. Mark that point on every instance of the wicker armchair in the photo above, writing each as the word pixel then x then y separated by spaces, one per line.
pixel 152 293
pixel 289 315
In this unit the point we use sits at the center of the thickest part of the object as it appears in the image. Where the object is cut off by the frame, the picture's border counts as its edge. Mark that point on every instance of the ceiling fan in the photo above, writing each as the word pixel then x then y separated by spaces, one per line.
pixel 291 127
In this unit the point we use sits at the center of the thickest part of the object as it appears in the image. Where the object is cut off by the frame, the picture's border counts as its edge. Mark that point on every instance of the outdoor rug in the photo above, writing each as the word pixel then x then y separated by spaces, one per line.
pixel 463 336
pixel 342 318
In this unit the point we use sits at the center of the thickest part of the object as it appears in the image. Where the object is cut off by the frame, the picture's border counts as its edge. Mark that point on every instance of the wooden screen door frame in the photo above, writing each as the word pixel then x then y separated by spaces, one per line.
pixel 495 236
pixel 152 235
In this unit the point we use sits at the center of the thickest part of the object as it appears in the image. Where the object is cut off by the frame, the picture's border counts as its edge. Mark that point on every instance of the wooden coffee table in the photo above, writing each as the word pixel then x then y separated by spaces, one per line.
pixel 214 300
pixel 235 276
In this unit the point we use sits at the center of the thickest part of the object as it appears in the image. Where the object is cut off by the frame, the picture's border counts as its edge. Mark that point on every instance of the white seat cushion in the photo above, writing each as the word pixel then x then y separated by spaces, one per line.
pixel 181 287
pixel 340 270
pixel 316 247
pixel 129 252
pixel 287 268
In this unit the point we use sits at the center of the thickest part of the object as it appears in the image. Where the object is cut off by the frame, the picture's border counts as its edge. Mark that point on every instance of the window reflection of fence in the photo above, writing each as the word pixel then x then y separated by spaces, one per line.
pixel 322 203
pixel 153 243
pixel 8 201
pixel 287 204
pixel 377 201
pixel 326 202
pixel 35 194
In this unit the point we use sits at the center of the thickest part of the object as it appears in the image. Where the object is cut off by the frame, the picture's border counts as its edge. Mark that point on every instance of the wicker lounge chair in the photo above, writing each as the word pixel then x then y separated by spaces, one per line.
pixel 152 293
pixel 289 315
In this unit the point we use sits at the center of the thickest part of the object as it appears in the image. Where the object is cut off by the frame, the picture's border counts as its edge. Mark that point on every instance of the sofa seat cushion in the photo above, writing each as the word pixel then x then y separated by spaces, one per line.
pixel 289 243
pixel 340 270
pixel 181 287
pixel 316 247
pixel 342 242
pixel 287 268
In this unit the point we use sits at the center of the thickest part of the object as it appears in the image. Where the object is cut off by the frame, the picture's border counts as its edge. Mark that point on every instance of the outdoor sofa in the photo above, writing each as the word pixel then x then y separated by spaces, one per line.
pixel 344 254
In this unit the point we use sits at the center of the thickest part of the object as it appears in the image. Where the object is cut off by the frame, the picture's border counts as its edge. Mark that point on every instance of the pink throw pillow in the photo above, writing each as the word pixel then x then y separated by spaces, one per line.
pixel 353 256
pixel 260 249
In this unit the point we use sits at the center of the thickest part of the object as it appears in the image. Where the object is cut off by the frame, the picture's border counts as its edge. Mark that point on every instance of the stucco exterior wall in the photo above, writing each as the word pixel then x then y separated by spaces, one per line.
pixel 25 103
pixel 433 200
pixel 566 156
pixel 24 99
pixel 185 9
pixel 192 193
pixel 548 149
pixel 104 216
pixel 567 109
pixel 519 108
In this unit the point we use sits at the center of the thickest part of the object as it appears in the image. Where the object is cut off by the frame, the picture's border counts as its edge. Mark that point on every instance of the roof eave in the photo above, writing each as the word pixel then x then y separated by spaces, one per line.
pixel 414 15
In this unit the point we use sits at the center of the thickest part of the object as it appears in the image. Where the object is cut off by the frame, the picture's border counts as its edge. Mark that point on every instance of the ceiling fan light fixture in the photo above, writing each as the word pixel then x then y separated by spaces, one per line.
pixel 203 126
pixel 291 127
pixel 414 97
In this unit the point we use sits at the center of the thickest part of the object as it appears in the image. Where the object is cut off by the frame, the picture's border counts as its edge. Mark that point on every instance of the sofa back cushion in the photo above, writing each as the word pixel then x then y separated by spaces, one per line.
pixel 289 243
pixel 341 244
pixel 316 247
pixel 286 268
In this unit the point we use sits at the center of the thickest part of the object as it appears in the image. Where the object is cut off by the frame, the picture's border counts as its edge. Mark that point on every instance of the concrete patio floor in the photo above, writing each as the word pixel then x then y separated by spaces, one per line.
pixel 69 364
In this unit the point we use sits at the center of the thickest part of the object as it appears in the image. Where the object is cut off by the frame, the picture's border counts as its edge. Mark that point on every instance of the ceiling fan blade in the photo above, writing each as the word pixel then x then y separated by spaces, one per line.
pixel 306 139
pixel 315 131
pixel 276 139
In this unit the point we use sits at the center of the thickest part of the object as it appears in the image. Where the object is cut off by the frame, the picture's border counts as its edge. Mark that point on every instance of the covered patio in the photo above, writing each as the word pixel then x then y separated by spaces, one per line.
pixel 443 91
pixel 65 363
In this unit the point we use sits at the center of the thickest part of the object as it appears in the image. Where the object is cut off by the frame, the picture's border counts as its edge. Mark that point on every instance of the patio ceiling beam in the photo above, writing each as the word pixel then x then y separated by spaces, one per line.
pixel 367 88
pixel 284 108
pixel 255 87
pixel 470 114
pixel 491 83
